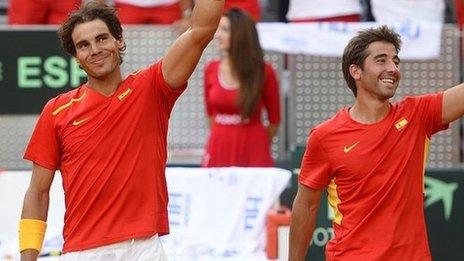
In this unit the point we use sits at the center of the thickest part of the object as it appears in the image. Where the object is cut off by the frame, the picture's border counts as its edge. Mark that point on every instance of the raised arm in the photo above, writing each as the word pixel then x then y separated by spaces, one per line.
pixel 453 104
pixel 183 56
pixel 36 202
pixel 183 24
pixel 303 220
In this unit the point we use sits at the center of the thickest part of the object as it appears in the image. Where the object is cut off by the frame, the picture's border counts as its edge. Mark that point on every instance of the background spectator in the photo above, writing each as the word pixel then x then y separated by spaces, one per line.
pixel 324 10
pixel 459 12
pixel 252 7
pixel 237 88
pixel 414 10
pixel 40 11
pixel 175 12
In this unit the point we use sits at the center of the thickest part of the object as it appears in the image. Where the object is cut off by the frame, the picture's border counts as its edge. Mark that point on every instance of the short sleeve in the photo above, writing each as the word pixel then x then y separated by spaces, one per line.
pixel 430 107
pixel 316 171
pixel 43 147
pixel 154 73
pixel 271 97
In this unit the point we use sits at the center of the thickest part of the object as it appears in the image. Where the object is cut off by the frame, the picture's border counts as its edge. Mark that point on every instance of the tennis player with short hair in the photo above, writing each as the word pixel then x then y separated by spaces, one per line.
pixel 108 139
pixel 371 158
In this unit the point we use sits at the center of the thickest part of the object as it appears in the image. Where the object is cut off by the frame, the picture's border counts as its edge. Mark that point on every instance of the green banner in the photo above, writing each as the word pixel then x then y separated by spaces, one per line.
pixel 445 213
pixel 33 69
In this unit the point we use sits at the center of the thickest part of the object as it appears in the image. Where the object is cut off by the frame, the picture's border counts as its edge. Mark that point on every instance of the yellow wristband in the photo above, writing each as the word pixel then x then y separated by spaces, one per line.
pixel 31 234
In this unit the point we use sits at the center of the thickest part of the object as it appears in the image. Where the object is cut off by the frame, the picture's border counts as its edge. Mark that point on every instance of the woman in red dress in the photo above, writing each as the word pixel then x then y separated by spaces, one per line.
pixel 251 7
pixel 238 87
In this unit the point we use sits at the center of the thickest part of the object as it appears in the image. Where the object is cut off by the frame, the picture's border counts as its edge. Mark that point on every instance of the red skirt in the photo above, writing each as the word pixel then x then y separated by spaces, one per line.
pixel 241 145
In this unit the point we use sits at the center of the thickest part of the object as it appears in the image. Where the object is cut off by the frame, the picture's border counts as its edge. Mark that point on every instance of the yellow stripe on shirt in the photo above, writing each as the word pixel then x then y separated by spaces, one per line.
pixel 334 200
pixel 62 107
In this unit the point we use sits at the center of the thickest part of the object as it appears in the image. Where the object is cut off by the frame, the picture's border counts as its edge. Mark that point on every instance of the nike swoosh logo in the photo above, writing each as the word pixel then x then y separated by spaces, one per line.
pixel 347 149
pixel 76 122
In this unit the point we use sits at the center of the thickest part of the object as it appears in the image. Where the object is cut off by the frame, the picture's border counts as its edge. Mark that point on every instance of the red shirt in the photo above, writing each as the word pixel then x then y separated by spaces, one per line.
pixel 111 152
pixel 232 140
pixel 250 6
pixel 459 9
pixel 374 178
pixel 40 11
pixel 220 99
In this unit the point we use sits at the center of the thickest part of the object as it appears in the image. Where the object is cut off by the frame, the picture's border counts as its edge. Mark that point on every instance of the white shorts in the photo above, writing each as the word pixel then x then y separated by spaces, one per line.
pixel 132 249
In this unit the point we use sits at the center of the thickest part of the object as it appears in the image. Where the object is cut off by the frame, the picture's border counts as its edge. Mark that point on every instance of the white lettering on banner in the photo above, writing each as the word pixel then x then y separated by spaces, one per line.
pixel 322 235
pixel 330 38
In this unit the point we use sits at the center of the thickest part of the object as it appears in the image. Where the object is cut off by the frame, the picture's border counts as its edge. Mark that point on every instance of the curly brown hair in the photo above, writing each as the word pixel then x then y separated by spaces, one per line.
pixel 356 50
pixel 89 12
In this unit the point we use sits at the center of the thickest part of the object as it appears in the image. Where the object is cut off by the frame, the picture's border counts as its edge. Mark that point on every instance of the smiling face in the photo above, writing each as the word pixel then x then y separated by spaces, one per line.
pixel 97 51
pixel 380 75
